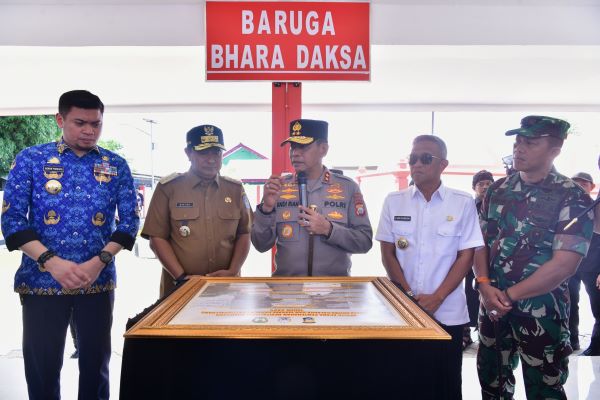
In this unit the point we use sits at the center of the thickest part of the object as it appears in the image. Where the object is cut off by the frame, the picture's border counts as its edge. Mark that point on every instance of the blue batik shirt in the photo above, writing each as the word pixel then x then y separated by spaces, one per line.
pixel 69 204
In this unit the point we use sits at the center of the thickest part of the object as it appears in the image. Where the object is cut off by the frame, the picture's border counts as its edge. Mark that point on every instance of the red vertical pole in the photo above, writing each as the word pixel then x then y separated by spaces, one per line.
pixel 286 106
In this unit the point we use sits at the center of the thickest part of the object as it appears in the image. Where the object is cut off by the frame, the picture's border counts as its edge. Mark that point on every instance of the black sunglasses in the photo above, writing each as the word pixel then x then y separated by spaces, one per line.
pixel 425 158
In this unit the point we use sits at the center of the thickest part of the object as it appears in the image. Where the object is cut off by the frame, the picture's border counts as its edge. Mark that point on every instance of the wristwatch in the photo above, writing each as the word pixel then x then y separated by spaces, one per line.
pixel 43 258
pixel 260 208
pixel 105 257
pixel 180 279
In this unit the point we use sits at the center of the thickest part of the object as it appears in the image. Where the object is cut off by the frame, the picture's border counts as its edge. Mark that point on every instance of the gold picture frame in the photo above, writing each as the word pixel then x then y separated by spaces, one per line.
pixel 288 308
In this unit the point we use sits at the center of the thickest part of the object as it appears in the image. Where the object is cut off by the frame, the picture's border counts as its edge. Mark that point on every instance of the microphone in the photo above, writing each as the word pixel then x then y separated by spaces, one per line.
pixel 302 183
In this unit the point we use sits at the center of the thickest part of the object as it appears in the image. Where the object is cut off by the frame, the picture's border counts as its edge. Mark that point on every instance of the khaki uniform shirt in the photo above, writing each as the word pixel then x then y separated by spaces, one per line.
pixel 201 221
pixel 338 198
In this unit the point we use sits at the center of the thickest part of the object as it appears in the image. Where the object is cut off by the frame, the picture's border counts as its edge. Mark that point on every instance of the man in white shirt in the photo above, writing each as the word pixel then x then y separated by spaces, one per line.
pixel 428 234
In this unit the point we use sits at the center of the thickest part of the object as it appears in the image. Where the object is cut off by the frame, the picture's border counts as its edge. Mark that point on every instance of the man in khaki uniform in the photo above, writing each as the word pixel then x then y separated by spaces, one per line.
pixel 198 222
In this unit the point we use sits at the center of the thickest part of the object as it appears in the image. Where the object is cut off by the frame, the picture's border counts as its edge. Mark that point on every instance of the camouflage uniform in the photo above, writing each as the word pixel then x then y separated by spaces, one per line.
pixel 522 225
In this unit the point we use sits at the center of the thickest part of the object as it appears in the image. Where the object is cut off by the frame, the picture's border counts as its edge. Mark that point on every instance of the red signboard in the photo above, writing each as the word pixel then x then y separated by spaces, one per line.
pixel 287 41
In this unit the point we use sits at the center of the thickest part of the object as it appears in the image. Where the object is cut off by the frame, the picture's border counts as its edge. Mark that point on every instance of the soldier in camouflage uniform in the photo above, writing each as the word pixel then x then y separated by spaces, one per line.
pixel 522 270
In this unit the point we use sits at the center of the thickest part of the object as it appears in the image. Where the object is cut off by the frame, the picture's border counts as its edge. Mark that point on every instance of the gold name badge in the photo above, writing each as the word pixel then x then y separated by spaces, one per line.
pixel 402 243
pixel 53 186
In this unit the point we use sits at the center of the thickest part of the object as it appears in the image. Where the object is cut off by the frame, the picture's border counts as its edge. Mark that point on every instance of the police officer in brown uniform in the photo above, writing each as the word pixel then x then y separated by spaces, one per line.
pixel 198 222
pixel 316 240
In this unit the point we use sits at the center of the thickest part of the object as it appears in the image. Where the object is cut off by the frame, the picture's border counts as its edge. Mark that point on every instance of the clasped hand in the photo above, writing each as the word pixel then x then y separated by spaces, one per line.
pixel 495 301
pixel 429 302
pixel 71 275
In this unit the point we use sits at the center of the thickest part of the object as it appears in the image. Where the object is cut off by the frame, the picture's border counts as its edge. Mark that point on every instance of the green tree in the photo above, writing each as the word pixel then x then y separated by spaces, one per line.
pixel 112 145
pixel 19 132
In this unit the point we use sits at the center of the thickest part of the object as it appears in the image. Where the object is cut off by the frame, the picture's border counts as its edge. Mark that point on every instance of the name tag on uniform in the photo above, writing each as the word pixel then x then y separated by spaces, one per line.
pixel 405 218
pixel 184 205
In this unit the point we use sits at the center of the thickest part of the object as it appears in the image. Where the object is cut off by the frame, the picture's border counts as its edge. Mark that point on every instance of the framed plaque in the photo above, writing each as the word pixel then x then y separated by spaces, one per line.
pixel 288 307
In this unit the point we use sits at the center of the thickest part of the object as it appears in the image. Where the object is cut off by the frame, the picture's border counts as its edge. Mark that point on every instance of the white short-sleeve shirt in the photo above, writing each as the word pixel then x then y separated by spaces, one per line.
pixel 435 232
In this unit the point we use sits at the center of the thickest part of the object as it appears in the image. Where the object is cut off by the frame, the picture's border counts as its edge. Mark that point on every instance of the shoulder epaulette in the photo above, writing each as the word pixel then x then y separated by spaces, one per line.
pixel 169 178
pixel 343 177
pixel 228 179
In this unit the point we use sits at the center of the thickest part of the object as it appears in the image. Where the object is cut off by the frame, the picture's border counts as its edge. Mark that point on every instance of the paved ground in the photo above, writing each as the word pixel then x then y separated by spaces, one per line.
pixel 138 282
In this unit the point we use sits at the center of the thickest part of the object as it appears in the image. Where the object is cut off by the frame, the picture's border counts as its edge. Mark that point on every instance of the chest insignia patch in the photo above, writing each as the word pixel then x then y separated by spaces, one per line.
pixel 402 243
pixel 335 215
pixel 184 231
pixel 53 186
pixel 98 219
pixel 51 218
pixel 335 188
pixel 103 172
pixel 287 231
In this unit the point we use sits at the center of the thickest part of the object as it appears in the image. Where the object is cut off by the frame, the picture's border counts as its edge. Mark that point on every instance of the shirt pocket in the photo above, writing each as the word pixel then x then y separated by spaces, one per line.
pixel 537 234
pixel 404 234
pixel 184 216
pixel 447 239
pixel 229 220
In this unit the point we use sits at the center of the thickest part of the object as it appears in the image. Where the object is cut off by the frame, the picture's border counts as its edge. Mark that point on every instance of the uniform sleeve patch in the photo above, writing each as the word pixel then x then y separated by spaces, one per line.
pixel 359 205
pixel 246 201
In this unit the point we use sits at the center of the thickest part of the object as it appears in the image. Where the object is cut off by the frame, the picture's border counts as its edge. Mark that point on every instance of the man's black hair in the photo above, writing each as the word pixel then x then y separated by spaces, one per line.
pixel 80 99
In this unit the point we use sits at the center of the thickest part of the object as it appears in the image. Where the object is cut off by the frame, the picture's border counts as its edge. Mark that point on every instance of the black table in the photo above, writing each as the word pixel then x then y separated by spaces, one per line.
pixel 174 368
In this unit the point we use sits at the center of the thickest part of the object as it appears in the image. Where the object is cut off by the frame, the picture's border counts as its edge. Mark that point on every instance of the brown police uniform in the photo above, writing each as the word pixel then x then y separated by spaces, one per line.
pixel 201 221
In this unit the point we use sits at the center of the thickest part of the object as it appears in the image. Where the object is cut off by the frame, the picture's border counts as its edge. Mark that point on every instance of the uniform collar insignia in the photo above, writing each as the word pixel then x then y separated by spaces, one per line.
pixel 61 146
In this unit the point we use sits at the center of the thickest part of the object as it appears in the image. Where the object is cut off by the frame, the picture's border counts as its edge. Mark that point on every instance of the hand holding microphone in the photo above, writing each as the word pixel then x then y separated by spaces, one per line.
pixel 309 218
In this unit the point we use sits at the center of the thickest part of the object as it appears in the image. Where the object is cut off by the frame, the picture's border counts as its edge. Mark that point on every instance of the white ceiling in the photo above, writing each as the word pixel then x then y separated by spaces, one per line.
pixel 149 55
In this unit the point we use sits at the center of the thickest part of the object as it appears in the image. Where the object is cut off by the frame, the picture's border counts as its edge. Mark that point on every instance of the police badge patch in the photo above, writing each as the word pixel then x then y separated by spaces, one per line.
pixel 359 205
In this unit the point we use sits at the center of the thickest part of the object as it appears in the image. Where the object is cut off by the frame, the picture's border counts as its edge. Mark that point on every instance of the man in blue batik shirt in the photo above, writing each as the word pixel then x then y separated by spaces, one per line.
pixel 59 209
